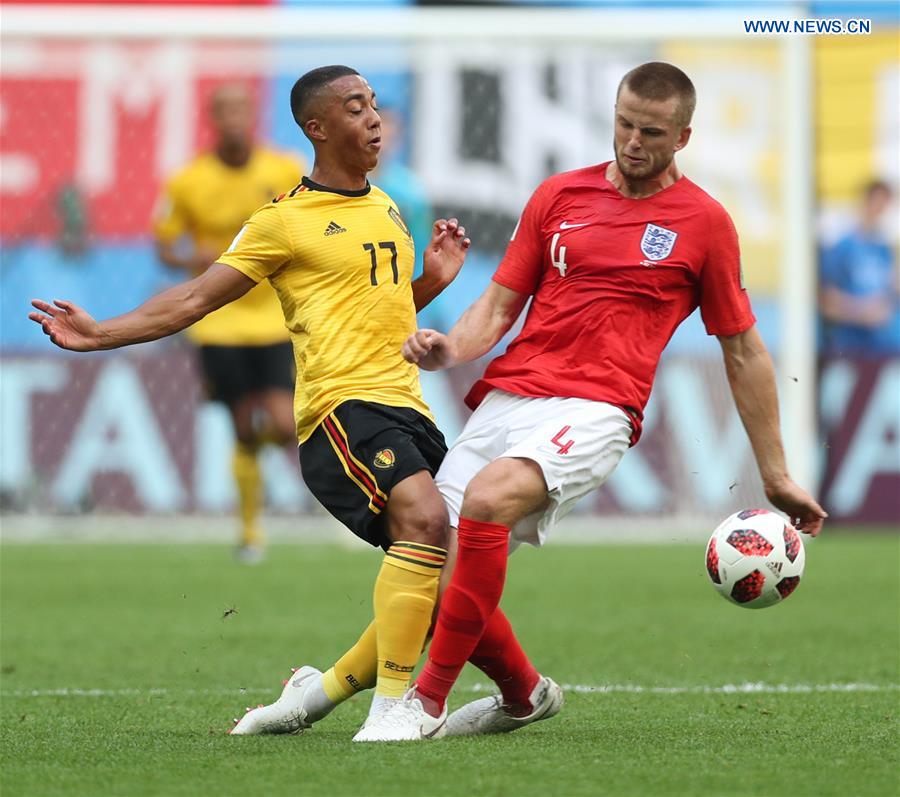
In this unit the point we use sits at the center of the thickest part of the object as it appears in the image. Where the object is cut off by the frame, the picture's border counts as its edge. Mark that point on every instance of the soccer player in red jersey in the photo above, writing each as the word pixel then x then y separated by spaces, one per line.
pixel 614 258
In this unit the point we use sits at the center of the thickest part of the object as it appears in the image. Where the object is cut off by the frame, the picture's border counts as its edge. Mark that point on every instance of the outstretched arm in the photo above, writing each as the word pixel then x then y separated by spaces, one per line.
pixel 752 380
pixel 70 327
pixel 441 261
pixel 476 333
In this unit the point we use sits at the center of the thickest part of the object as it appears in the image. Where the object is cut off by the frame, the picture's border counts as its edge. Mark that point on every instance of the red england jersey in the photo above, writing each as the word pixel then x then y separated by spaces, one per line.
pixel 612 278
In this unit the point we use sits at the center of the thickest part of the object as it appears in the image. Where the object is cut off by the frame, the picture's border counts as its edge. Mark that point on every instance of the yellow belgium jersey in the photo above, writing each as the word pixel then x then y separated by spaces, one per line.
pixel 342 264
pixel 208 201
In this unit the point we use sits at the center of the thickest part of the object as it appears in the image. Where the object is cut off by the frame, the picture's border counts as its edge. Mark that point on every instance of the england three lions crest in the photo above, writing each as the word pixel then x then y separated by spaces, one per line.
pixel 658 242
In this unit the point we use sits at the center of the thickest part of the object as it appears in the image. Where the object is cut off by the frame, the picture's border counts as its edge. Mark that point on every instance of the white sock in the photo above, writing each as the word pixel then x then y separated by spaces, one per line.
pixel 317 704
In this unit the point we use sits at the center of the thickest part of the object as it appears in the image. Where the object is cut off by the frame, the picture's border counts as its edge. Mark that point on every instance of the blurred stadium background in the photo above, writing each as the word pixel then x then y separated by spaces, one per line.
pixel 100 103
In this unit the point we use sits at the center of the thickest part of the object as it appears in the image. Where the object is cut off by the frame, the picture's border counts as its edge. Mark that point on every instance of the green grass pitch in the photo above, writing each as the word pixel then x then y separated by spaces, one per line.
pixel 145 634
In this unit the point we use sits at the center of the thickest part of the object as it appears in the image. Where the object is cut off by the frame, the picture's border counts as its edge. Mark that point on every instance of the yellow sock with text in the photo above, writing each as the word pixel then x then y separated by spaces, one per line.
pixel 355 670
pixel 405 593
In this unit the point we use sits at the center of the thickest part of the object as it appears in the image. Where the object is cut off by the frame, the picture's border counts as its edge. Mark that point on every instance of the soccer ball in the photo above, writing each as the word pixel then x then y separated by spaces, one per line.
pixel 755 559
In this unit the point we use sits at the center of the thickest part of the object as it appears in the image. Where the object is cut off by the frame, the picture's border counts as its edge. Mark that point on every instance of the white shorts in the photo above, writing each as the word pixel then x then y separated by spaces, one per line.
pixel 577 444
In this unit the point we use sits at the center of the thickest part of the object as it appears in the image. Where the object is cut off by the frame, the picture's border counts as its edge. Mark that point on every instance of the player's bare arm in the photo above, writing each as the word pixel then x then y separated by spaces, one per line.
pixel 476 333
pixel 441 260
pixel 71 327
pixel 752 380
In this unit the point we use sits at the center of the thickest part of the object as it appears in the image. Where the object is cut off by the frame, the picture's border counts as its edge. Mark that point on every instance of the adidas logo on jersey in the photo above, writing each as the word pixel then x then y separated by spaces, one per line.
pixel 334 228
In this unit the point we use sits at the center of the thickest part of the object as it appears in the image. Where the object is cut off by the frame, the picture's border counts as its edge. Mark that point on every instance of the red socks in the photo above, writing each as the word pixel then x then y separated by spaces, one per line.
pixel 467 605
pixel 500 656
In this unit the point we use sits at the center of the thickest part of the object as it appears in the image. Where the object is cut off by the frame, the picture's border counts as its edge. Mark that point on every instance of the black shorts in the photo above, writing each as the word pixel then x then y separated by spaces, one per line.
pixel 233 372
pixel 358 453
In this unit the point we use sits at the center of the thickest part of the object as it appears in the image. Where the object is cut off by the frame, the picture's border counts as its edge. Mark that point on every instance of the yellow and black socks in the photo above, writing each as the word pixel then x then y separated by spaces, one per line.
pixel 249 485
pixel 405 593
pixel 386 653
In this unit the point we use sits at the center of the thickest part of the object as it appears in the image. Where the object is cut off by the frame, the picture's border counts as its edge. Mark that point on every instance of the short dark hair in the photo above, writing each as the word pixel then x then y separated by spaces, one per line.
pixel 660 81
pixel 309 85
pixel 877 187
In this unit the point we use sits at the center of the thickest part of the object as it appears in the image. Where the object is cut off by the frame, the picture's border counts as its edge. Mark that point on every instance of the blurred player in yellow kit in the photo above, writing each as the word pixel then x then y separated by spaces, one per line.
pixel 244 347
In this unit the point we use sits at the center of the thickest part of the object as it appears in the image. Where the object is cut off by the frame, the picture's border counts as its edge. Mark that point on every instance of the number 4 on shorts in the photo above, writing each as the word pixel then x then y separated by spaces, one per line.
pixel 557 441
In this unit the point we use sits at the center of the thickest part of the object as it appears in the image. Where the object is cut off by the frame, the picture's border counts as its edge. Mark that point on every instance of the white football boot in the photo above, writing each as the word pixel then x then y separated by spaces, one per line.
pixel 406 721
pixel 285 715
pixel 380 706
pixel 250 554
pixel 488 714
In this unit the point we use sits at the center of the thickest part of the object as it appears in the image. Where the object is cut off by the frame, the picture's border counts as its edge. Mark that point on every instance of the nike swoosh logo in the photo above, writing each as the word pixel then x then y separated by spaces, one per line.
pixel 433 732
pixel 566 226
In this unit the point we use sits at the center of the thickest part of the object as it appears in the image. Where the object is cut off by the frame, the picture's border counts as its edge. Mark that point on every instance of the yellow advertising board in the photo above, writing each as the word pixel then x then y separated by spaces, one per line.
pixel 857 108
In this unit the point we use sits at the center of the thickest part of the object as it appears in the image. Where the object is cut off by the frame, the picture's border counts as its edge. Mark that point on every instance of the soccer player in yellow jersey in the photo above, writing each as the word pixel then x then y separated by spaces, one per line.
pixel 244 347
pixel 340 258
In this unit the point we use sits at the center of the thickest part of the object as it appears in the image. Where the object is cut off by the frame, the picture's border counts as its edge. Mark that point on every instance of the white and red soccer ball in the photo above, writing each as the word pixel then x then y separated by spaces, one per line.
pixel 755 559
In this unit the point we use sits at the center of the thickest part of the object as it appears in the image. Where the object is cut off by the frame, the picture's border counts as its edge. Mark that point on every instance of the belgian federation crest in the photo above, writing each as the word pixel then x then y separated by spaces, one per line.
pixel 658 242
pixel 385 459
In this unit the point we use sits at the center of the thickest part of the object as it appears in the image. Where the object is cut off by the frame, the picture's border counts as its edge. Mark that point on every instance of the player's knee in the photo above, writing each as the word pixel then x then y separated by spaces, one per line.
pixel 427 524
pixel 487 493
pixel 505 491
pixel 283 434
pixel 481 500
pixel 247 440
pixel 281 413
pixel 245 434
